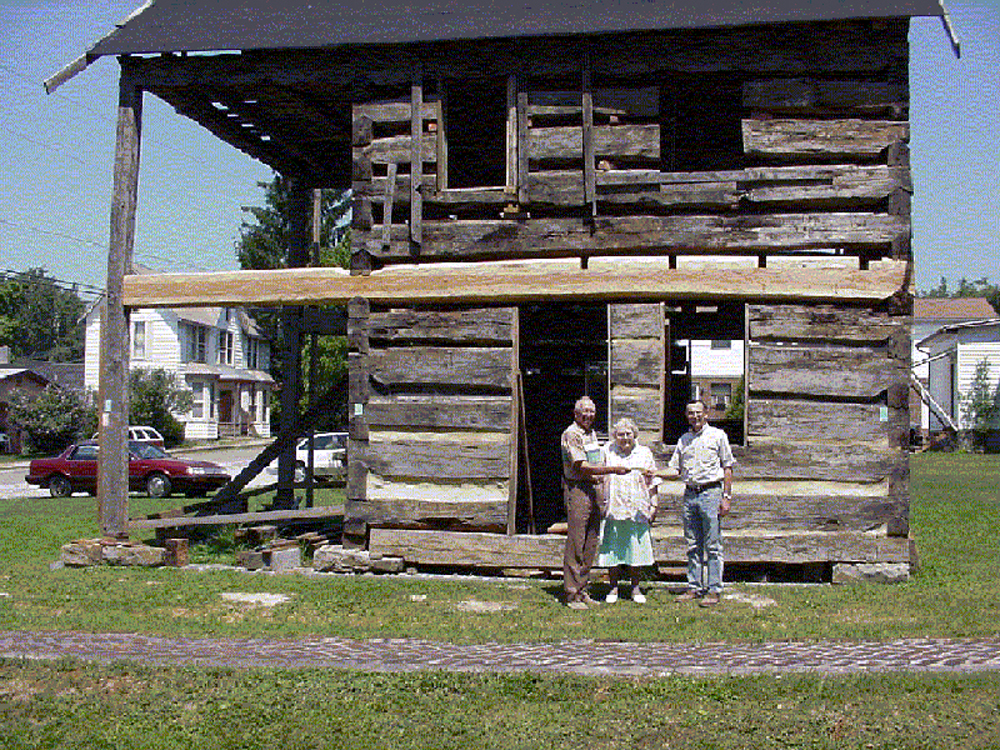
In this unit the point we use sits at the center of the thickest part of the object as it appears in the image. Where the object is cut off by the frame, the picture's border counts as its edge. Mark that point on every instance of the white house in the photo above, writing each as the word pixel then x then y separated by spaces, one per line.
pixel 952 354
pixel 716 368
pixel 218 353
pixel 930 314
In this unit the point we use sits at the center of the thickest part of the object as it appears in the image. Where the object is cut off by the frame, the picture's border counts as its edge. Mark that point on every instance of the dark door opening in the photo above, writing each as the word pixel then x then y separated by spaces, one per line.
pixel 563 355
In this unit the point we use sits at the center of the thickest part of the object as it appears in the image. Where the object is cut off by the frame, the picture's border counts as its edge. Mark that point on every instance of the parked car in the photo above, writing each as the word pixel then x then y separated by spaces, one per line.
pixel 150 469
pixel 142 434
pixel 329 456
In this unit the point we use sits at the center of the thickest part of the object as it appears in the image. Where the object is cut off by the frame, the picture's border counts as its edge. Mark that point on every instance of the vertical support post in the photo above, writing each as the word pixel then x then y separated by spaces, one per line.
pixel 291 356
pixel 510 182
pixel 515 420
pixel 112 467
pixel 522 148
pixel 416 160
pixel 356 511
pixel 589 164
pixel 441 110
pixel 317 225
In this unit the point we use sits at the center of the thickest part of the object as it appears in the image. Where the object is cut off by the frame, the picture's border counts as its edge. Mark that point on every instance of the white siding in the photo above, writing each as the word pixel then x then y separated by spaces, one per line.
pixel 707 362
pixel 92 350
pixel 969 357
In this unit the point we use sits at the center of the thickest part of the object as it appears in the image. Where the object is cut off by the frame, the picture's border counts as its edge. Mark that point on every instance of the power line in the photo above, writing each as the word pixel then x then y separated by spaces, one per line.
pixel 103 117
pixel 51 233
pixel 47 147
pixel 76 287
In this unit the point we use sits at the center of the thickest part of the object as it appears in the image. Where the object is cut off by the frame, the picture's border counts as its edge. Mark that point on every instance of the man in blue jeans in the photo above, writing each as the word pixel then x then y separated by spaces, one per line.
pixel 704 461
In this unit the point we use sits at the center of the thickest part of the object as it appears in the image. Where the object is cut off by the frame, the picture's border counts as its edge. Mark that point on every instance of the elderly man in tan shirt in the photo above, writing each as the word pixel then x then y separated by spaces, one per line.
pixel 582 469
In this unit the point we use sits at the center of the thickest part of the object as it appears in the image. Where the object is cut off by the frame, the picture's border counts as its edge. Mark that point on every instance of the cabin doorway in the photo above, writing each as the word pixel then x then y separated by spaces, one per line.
pixel 563 354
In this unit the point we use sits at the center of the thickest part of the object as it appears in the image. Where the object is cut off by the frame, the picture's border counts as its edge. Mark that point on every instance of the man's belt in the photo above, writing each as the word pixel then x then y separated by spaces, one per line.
pixel 702 487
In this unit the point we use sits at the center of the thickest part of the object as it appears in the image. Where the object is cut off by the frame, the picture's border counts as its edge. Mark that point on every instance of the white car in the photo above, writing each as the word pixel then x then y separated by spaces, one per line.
pixel 142 434
pixel 329 456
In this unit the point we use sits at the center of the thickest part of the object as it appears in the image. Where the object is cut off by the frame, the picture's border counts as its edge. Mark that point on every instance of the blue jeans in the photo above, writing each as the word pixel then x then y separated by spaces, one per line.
pixel 703 535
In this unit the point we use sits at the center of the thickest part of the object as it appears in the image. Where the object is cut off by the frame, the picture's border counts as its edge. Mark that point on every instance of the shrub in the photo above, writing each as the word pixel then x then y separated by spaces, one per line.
pixel 52 420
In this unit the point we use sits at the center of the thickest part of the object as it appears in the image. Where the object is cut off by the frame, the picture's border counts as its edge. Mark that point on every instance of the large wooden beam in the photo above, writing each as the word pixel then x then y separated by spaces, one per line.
pixel 546 550
pixel 112 468
pixel 515 282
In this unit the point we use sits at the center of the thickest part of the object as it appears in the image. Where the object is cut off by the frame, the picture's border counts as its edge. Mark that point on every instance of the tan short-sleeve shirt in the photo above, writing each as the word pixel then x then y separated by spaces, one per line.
pixel 578 445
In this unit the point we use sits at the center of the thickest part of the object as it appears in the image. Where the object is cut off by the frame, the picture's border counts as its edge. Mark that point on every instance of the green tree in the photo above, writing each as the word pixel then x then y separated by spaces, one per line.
pixel 39 319
pixel 52 420
pixel 263 244
pixel 154 398
pixel 736 406
pixel 981 405
pixel 994 299
pixel 265 232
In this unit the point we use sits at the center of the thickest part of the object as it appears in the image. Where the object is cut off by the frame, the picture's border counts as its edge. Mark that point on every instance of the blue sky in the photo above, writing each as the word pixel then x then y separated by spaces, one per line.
pixel 58 148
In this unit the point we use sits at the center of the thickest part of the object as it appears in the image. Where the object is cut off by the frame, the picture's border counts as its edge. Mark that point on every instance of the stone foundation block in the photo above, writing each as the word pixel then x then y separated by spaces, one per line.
pixel 250 559
pixel 338 559
pixel 137 555
pixel 874 572
pixel 177 553
pixel 387 564
pixel 81 553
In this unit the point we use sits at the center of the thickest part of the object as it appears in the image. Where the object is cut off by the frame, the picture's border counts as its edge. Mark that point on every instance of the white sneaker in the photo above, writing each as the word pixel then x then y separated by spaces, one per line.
pixel 612 597
pixel 638 597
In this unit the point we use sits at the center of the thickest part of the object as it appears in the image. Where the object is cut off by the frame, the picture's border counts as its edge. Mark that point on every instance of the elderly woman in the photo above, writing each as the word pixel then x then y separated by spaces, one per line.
pixel 630 510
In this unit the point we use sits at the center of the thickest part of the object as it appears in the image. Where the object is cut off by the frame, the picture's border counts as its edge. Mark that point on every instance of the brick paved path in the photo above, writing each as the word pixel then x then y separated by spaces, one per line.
pixel 575 657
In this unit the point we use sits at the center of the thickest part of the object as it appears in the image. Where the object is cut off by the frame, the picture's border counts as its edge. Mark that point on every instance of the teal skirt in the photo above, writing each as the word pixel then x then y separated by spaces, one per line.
pixel 624 543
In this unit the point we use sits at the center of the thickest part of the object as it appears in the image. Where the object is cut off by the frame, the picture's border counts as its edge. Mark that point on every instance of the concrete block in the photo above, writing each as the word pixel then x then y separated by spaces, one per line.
pixel 283 560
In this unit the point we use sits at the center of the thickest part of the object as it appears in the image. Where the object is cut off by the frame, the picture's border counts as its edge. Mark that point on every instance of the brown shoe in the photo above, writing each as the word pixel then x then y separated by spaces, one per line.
pixel 687 596
pixel 709 600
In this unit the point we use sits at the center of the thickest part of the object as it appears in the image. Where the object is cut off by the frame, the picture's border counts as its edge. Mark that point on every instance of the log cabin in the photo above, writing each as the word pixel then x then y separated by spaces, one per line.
pixel 552 203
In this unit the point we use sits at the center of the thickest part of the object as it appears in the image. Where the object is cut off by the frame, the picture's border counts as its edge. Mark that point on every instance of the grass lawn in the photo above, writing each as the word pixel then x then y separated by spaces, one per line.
pixel 68 704
pixel 956 592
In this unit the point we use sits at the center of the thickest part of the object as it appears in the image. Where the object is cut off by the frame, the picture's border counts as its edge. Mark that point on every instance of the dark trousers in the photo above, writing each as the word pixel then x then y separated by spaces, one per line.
pixel 583 519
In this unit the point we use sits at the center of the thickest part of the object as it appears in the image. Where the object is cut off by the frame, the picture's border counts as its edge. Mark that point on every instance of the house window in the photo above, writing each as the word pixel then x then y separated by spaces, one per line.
pixel 252 353
pixel 225 351
pixel 139 339
pixel 198 400
pixel 721 394
pixel 197 344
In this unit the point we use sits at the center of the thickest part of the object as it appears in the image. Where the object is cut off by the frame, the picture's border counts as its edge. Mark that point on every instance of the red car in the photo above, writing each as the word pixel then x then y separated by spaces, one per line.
pixel 150 469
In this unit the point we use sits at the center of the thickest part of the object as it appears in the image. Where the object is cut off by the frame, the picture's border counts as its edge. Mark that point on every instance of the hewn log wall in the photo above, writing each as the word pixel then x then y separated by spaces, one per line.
pixel 434 387
pixel 637 367
pixel 813 168
pixel 827 420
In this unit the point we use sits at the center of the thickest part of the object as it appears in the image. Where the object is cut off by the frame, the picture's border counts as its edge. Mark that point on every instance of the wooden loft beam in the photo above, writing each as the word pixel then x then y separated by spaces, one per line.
pixel 612 279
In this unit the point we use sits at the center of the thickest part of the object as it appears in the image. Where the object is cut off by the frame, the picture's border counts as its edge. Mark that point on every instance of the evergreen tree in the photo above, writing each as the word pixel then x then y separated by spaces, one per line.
pixel 981 405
